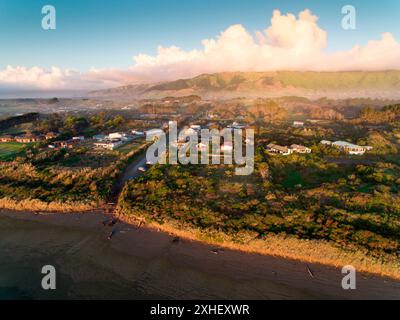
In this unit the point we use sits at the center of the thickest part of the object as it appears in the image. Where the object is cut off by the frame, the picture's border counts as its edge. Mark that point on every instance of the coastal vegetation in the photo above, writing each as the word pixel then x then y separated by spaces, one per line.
pixel 325 206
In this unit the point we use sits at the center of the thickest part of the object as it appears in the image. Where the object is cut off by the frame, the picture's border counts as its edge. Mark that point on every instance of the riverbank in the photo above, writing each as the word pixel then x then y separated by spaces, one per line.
pixel 156 265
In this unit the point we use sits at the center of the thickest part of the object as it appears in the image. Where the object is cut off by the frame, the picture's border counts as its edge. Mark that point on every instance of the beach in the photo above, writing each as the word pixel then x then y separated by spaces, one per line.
pixel 145 264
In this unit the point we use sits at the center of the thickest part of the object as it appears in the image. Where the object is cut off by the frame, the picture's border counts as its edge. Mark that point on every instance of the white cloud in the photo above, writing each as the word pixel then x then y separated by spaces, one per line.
pixel 289 43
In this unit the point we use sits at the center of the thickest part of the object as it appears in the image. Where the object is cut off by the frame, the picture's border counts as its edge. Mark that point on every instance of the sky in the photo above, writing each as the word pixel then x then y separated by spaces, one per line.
pixel 104 43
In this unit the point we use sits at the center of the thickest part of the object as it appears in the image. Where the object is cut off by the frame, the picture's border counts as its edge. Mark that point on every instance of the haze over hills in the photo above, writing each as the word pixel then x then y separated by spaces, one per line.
pixel 378 84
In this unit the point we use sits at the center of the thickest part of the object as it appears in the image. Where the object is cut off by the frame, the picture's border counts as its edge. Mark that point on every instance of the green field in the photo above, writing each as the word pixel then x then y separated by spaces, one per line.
pixel 9 150
pixel 126 148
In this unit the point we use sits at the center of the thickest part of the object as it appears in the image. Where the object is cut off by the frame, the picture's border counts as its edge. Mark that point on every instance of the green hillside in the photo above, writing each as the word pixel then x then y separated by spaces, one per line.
pixel 302 80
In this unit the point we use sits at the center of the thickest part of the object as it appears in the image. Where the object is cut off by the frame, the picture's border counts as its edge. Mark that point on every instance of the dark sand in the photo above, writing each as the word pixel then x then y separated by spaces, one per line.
pixel 144 264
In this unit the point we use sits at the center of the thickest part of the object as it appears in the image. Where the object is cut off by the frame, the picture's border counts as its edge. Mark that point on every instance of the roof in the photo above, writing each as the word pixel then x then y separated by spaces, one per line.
pixel 278 147
pixel 345 144
pixel 297 146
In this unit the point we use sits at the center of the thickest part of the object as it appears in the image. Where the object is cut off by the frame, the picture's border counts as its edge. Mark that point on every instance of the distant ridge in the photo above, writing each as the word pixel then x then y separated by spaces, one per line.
pixel 233 84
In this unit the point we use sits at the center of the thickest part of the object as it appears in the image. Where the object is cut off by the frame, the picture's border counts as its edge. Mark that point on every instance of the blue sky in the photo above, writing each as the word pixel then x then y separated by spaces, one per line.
pixel 106 34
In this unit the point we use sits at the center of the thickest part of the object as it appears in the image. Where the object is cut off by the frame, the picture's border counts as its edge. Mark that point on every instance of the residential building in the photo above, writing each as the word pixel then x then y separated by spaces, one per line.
pixel 50 135
pixel 298 124
pixel 28 138
pixel 6 138
pixel 299 148
pixel 283 150
pixel 351 148
pixel 67 144
pixel 109 145
pixel 326 142
pixel 137 133
pixel 116 135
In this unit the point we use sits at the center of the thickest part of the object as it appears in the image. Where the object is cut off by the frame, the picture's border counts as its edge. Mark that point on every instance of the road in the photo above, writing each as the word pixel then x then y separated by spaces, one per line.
pixel 131 172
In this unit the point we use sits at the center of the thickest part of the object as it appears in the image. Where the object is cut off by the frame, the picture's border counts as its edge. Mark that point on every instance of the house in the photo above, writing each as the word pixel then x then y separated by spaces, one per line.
pixel 6 138
pixel 326 142
pixel 116 135
pixel 67 144
pixel 299 148
pixel 109 145
pixel 274 148
pixel 298 124
pixel 28 138
pixel 137 133
pixel 50 135
pixel 350 148
pixel 80 138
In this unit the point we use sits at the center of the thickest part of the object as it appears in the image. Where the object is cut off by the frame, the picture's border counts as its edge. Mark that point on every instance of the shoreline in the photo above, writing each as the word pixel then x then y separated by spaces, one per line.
pixel 312 248
pixel 303 251
pixel 199 257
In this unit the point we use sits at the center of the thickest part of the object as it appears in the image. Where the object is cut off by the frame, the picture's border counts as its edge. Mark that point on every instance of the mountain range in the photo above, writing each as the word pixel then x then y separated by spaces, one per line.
pixel 373 84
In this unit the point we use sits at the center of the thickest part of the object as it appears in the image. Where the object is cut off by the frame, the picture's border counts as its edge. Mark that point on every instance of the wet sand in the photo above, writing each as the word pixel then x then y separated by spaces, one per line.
pixel 144 264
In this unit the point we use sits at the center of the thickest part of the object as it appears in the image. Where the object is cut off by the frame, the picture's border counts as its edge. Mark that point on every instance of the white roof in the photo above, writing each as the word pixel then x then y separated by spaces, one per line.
pixel 346 144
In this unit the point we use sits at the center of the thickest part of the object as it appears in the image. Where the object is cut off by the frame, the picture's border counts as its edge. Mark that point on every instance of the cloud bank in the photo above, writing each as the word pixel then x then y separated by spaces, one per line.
pixel 291 42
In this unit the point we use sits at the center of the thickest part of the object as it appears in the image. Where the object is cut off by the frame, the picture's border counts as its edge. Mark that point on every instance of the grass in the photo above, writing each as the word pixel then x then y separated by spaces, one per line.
pixel 9 150
pixel 128 147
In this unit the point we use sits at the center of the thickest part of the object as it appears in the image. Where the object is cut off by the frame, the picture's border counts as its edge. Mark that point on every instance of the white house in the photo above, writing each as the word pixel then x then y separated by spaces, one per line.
pixel 326 142
pixel 298 124
pixel 274 148
pixel 137 133
pixel 116 135
pixel 109 145
pixel 299 148
pixel 236 125
pixel 351 148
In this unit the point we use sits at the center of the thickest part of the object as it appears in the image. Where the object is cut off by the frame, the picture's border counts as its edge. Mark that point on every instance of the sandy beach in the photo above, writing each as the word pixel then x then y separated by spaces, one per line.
pixel 145 264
